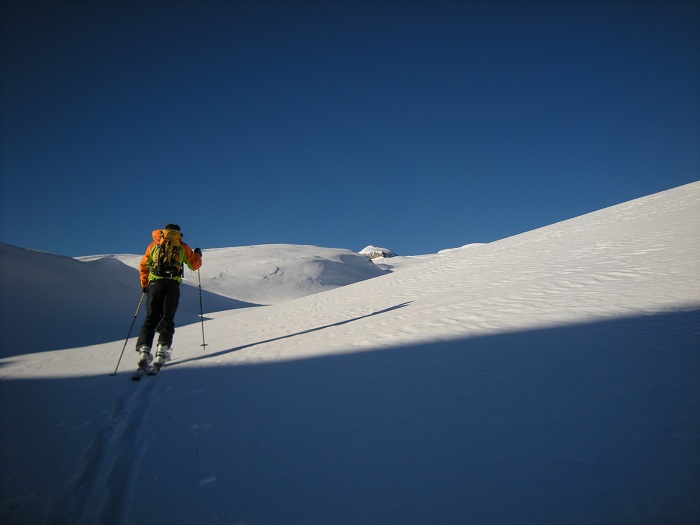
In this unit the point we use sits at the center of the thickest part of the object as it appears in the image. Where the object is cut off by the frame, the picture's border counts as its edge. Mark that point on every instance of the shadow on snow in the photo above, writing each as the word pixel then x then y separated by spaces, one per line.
pixel 72 325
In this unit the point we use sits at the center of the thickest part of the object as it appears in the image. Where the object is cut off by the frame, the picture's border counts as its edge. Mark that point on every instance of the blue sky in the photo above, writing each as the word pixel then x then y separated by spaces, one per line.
pixel 415 126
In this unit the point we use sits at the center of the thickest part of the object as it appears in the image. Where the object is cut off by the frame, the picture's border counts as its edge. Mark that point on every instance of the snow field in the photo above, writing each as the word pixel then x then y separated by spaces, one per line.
pixel 551 377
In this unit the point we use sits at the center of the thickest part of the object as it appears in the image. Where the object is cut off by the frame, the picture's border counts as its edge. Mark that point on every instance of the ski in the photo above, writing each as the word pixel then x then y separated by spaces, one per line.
pixel 153 370
pixel 140 372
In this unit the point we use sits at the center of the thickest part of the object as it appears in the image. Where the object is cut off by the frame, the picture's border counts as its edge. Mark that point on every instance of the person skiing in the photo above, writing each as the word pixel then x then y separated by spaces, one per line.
pixel 161 274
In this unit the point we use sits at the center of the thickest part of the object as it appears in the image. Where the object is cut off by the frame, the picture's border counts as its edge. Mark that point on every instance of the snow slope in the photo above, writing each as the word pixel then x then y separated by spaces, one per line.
pixel 551 377
pixel 51 302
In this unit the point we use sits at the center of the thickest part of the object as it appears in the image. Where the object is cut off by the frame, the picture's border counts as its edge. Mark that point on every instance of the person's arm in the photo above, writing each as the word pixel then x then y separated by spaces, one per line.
pixel 193 259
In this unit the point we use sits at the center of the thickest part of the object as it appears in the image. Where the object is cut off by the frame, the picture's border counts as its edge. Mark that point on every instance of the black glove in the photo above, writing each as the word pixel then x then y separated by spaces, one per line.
pixel 198 251
pixel 145 290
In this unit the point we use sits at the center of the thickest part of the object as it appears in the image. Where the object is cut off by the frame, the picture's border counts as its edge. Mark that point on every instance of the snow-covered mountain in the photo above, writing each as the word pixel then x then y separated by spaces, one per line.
pixel 551 377
pixel 275 273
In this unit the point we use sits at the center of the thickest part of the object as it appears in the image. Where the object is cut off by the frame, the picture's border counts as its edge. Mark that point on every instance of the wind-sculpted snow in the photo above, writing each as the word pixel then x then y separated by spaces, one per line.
pixel 551 377
pixel 275 273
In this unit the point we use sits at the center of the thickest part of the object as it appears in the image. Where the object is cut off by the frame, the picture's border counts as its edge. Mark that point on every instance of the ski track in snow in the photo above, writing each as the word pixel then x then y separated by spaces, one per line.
pixel 102 490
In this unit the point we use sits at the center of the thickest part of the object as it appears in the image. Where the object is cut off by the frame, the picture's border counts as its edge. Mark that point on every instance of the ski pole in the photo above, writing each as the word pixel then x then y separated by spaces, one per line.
pixel 201 311
pixel 128 335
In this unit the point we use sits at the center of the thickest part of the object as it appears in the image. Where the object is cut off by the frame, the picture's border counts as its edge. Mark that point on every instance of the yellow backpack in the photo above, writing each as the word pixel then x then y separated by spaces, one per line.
pixel 167 255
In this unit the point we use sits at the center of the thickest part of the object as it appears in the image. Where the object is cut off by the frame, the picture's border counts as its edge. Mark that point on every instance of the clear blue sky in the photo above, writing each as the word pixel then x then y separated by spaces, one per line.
pixel 415 126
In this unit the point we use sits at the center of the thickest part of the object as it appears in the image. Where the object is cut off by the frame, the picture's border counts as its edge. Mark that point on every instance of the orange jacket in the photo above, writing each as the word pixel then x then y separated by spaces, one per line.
pixel 187 256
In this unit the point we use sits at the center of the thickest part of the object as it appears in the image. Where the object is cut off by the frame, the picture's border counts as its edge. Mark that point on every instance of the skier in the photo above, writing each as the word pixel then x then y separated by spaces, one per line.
pixel 161 274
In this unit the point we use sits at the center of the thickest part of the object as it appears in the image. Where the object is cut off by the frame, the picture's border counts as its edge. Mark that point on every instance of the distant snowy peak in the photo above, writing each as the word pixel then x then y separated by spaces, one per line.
pixel 374 252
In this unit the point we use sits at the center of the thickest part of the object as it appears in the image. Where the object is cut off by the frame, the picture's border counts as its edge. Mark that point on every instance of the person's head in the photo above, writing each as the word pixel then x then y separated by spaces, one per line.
pixel 172 227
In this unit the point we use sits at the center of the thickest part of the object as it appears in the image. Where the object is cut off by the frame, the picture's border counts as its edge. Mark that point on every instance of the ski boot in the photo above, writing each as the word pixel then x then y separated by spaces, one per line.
pixel 144 356
pixel 162 356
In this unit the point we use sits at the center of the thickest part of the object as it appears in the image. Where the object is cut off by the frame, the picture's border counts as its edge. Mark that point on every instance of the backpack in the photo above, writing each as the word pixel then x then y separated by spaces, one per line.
pixel 166 258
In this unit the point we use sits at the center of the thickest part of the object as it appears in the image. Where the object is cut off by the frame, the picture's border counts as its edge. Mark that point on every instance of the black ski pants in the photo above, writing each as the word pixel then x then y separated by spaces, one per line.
pixel 161 305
